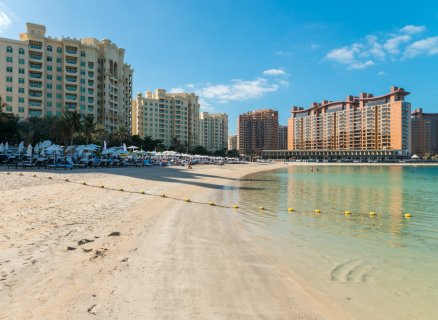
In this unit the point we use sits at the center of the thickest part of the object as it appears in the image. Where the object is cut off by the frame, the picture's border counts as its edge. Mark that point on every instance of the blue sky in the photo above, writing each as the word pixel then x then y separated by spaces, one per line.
pixel 243 55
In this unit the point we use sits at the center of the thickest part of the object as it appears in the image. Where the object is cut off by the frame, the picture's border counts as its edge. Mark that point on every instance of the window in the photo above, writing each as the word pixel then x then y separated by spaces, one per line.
pixel 58 78
pixel 9 59
pixel 49 59
pixel 21 99
pixel 82 98
pixel 20 90
pixel 82 81
pixel 21 51
pixel 59 60
pixel 8 89
pixel 82 107
pixel 49 48
pixel 21 61
pixel 49 113
pixel 82 72
pixel 58 113
pixel 49 77
pixel 8 99
pixel 82 53
pixel 49 68
pixel 58 87
pixel 9 49
pixel 58 96
pixel 58 69
pixel 82 89
pixel 49 86
pixel 59 50
pixel 21 80
pixel 58 104
pixel 49 104
pixel 8 108
pixel 21 109
pixel 8 69
pixel 82 63
pixel 49 94
pixel 20 70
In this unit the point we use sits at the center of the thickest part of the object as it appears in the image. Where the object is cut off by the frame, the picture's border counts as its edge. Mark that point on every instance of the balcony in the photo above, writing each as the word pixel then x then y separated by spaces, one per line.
pixel 35 94
pixel 35 75
pixel 71 88
pixel 71 96
pixel 70 79
pixel 71 61
pixel 36 46
pixel 35 57
pixel 71 70
pixel 35 66
pixel 71 51
pixel 34 103
pixel 35 84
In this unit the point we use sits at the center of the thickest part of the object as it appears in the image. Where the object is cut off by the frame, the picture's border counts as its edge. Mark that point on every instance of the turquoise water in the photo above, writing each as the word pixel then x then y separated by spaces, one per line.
pixel 385 261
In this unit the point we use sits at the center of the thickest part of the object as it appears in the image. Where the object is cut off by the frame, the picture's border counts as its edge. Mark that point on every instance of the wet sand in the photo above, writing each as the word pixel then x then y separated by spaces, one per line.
pixel 165 259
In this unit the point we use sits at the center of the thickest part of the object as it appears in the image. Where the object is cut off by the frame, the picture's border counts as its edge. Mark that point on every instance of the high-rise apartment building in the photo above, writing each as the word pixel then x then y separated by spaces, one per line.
pixel 213 131
pixel 167 116
pixel 257 131
pixel 358 123
pixel 43 76
pixel 424 133
pixel 282 137
pixel 232 142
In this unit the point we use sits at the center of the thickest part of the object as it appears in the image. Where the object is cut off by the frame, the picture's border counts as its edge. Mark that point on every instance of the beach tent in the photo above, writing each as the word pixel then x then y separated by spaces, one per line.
pixel 29 150
pixel 20 149
pixel 415 157
pixel 133 148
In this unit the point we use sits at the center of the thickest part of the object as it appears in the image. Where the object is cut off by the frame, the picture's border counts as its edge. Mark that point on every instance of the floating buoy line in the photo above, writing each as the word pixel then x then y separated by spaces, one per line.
pixel 188 200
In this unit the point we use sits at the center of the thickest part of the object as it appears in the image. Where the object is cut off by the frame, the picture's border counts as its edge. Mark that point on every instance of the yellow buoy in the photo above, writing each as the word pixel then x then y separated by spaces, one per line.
pixel 317 211
pixel 142 192
pixel 372 213
pixel 187 200
pixel 211 203
pixel 235 206
pixel 163 196
pixel 102 186
pixel 408 215
pixel 347 212
pixel 290 209
pixel 261 208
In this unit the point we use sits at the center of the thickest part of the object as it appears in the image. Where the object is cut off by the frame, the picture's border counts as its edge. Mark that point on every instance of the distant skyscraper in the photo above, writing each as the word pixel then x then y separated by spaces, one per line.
pixel 213 131
pixel 282 137
pixel 232 142
pixel 257 131
pixel 167 116
pixel 359 123
pixel 43 76
pixel 424 132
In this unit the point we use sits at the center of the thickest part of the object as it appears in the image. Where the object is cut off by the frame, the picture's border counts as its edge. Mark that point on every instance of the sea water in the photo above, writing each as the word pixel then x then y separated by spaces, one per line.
pixel 382 266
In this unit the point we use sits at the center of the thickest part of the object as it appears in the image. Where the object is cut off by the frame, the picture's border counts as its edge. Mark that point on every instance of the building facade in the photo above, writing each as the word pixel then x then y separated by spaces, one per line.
pixel 167 116
pixel 232 142
pixel 43 76
pixel 356 124
pixel 282 137
pixel 213 131
pixel 424 133
pixel 257 131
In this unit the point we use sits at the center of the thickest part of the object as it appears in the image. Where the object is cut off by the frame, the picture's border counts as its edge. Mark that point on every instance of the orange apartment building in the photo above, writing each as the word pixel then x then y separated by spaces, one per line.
pixel 257 130
pixel 362 127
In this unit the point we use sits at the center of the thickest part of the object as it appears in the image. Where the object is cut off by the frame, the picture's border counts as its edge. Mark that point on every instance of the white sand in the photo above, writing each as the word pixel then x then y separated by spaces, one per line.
pixel 172 260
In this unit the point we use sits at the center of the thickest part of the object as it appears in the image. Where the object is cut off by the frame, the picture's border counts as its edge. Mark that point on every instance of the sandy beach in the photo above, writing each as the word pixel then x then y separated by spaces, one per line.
pixel 72 251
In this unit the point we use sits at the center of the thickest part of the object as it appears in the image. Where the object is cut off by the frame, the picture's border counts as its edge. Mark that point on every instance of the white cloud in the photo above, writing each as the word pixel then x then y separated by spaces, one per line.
pixel 5 21
pixel 190 86
pixel 383 47
pixel 427 46
pixel 283 53
pixel 392 44
pixel 381 73
pixel 177 90
pixel 238 90
pixel 411 29
pixel 274 72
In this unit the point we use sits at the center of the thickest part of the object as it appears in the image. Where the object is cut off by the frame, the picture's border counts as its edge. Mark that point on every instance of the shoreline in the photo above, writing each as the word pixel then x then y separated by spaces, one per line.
pixel 170 259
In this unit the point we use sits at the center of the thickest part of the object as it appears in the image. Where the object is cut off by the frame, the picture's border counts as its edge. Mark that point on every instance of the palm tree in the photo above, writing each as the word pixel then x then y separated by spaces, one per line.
pixel 88 127
pixel 121 134
pixel 68 125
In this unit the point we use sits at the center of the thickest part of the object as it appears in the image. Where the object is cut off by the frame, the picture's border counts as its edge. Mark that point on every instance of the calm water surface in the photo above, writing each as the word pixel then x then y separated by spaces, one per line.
pixel 380 267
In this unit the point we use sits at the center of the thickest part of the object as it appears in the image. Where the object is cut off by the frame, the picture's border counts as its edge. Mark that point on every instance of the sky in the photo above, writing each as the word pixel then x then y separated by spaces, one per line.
pixel 243 55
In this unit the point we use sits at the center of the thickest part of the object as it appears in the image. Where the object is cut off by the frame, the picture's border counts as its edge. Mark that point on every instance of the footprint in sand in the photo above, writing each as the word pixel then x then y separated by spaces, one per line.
pixel 354 270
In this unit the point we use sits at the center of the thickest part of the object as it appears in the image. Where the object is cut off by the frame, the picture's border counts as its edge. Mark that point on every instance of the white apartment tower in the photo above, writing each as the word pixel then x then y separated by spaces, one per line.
pixel 213 131
pixel 43 76
pixel 167 116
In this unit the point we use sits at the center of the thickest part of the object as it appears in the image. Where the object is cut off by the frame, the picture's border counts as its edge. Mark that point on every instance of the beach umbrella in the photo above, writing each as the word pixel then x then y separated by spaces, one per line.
pixel 104 145
pixel 2 148
pixel 20 147
pixel 42 154
pixel 37 148
pixel 45 144
pixel 124 147
pixel 29 150
pixel 54 148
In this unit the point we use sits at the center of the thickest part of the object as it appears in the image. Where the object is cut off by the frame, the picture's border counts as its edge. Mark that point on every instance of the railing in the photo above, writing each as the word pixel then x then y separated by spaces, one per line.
pixel 69 51
pixel 35 57
pixel 35 75
pixel 35 66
